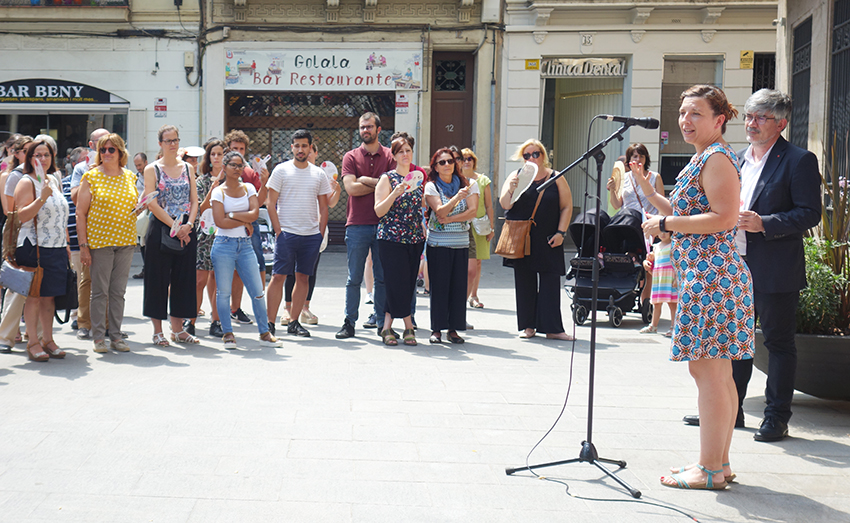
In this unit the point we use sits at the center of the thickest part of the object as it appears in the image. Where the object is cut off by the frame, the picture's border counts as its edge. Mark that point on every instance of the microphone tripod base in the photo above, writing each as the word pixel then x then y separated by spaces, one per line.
pixel 588 454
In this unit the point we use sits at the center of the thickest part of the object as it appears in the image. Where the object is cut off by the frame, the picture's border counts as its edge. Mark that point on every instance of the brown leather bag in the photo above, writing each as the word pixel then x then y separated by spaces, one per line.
pixel 515 240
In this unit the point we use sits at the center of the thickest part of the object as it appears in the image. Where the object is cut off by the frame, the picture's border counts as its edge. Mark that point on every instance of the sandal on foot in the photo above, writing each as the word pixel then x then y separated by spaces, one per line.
pixel 454 338
pixel 649 329
pixel 55 352
pixel 729 479
pixel 159 340
pixel 188 338
pixel 474 303
pixel 436 337
pixel 708 484
pixel 389 337
pixel 669 333
pixel 409 337
pixel 37 356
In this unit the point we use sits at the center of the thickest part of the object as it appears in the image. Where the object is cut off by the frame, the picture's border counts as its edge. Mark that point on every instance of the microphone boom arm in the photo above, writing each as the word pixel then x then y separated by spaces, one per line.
pixel 590 153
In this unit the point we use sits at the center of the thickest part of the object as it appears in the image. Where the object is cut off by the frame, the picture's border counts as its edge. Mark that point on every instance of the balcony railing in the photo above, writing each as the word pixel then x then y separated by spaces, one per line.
pixel 64 3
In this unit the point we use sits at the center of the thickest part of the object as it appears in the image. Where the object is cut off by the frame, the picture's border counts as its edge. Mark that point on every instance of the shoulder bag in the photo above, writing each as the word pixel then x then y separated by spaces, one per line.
pixel 25 281
pixel 515 240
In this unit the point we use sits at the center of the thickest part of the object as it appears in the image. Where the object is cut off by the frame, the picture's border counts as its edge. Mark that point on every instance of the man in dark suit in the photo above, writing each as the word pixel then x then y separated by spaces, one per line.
pixel 780 201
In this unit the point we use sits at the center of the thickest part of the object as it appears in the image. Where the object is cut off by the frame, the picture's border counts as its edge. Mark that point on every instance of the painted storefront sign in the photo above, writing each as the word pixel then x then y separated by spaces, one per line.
pixel 359 69
pixel 581 67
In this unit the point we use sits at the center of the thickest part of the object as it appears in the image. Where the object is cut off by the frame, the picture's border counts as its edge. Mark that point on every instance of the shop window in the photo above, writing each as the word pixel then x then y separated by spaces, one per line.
pixel 450 75
pixel 270 119
pixel 680 73
pixel 801 72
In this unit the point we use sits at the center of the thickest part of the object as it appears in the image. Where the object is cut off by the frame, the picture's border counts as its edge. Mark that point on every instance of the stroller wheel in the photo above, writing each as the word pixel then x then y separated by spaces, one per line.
pixel 615 317
pixel 580 314
pixel 646 311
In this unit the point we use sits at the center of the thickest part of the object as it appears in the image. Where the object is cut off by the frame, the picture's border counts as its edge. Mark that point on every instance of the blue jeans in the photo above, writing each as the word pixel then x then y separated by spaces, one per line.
pixel 358 240
pixel 237 253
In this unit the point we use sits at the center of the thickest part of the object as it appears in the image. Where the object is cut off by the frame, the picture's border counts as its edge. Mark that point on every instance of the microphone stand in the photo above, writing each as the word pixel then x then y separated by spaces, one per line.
pixel 588 453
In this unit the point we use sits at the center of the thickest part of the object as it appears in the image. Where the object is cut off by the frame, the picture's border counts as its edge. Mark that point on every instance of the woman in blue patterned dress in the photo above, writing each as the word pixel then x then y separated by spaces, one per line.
pixel 401 241
pixel 714 321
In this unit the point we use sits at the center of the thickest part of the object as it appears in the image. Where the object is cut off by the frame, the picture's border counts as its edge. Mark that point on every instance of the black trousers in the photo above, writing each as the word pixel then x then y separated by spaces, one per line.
pixel 169 278
pixel 447 274
pixel 777 314
pixel 401 266
pixel 538 301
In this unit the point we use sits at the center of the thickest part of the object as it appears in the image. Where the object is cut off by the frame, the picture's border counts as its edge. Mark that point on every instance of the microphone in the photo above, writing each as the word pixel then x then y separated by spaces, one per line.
pixel 646 123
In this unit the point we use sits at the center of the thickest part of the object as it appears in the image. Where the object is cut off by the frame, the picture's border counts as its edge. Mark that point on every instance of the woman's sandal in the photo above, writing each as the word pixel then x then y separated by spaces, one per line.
pixel 389 337
pixel 159 340
pixel 53 353
pixel 436 337
pixel 175 337
pixel 708 484
pixel 453 337
pixel 475 303
pixel 37 356
pixel 729 479
pixel 409 337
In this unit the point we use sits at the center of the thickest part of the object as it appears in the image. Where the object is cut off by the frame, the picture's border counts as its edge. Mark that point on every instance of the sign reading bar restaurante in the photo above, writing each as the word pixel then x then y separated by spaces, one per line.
pixel 583 67
pixel 53 91
pixel 340 69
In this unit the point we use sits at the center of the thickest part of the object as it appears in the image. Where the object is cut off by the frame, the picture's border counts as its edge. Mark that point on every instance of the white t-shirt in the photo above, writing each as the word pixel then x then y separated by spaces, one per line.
pixel 299 190
pixel 232 204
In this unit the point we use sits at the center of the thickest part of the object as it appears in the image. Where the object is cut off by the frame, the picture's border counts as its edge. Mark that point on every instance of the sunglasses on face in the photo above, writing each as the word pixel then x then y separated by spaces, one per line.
pixel 527 156
pixel 110 150
pixel 459 159
pixel 444 162
pixel 468 159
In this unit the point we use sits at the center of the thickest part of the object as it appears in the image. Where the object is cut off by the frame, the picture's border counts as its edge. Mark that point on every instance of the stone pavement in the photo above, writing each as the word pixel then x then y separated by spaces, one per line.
pixel 353 431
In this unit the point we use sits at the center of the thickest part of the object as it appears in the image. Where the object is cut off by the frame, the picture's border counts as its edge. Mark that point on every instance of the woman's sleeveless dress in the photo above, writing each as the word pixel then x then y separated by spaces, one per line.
pixel 715 315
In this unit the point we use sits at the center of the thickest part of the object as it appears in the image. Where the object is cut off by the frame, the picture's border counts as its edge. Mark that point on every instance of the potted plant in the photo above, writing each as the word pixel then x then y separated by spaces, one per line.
pixel 823 313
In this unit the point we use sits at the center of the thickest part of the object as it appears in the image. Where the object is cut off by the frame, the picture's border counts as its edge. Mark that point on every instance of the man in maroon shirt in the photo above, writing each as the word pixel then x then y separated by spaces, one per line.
pixel 361 169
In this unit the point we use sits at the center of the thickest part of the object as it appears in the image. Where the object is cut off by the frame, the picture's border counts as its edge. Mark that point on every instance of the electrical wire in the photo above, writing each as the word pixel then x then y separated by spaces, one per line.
pixel 570 386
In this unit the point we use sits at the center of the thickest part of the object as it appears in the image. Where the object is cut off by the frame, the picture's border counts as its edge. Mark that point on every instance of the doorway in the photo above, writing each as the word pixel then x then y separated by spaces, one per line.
pixel 451 100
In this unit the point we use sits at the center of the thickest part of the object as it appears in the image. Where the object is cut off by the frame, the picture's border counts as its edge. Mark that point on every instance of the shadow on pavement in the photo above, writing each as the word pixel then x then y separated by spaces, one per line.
pixel 770 505
pixel 75 365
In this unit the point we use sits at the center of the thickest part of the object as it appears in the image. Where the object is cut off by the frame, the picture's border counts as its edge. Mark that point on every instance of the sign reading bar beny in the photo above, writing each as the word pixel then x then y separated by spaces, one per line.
pixel 44 91
pixel 582 67
pixel 341 69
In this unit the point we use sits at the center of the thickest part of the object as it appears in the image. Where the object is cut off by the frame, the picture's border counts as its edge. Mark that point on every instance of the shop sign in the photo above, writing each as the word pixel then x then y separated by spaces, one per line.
pixel 747 59
pixel 357 69
pixel 402 105
pixel 532 65
pixel 43 91
pixel 581 67
pixel 160 107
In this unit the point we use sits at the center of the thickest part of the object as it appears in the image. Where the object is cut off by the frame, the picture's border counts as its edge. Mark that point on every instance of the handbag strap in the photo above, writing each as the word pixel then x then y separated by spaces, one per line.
pixel 35 223
pixel 536 205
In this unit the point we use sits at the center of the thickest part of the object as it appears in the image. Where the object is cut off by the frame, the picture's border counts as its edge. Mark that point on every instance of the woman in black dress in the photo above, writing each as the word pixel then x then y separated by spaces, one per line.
pixel 537 277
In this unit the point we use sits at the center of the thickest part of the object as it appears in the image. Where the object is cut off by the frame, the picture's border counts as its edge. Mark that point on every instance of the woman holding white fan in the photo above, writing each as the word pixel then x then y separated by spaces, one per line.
pixel 537 277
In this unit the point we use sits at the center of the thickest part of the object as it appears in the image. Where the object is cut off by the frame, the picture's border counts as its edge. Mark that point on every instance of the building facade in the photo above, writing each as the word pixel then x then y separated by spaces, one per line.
pixel 68 69
pixel 565 62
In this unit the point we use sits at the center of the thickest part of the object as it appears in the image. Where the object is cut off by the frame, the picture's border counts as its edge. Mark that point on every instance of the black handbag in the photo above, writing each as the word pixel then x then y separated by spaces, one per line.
pixel 70 300
pixel 169 244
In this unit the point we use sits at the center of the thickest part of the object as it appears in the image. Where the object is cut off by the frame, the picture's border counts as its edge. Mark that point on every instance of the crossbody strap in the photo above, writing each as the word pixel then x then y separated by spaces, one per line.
pixel 539 197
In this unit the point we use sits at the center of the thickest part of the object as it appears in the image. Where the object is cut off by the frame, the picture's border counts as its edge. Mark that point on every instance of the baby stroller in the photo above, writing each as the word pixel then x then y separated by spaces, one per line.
pixel 621 276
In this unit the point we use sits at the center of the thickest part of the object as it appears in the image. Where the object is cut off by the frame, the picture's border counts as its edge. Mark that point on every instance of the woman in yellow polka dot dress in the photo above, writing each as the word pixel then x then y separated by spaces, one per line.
pixel 106 230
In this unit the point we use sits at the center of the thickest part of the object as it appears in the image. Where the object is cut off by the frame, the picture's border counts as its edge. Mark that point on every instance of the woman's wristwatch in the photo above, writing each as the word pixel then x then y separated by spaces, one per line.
pixel 563 234
pixel 230 215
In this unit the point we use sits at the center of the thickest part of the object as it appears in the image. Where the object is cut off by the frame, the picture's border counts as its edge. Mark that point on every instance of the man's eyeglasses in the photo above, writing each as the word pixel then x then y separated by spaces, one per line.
pixel 528 156
pixel 110 150
pixel 236 165
pixel 173 141
pixel 444 162
pixel 756 118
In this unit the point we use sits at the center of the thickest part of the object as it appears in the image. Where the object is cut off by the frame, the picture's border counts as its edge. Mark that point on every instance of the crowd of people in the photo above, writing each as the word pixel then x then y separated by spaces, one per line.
pixel 729 245
pixel 194 211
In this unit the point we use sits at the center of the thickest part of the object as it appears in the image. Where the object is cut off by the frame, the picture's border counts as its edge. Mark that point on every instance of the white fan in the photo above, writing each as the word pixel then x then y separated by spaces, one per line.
pixel 524 180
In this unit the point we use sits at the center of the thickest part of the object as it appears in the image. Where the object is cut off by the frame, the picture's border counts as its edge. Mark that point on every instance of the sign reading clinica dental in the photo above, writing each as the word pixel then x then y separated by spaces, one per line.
pixel 583 67
pixel 332 69
pixel 44 91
